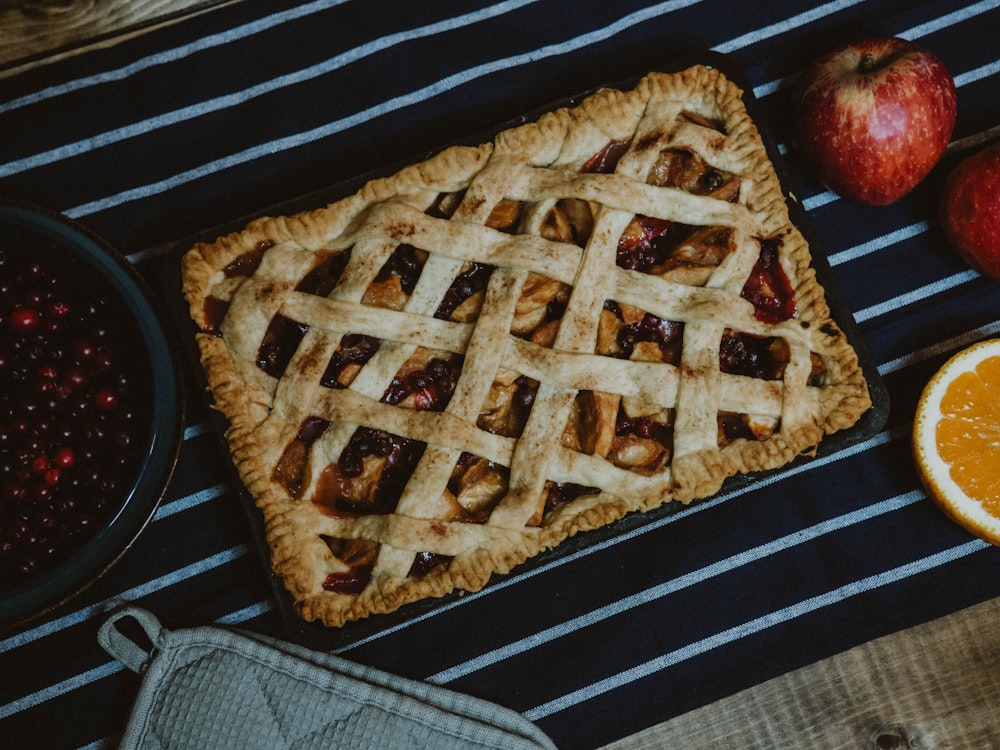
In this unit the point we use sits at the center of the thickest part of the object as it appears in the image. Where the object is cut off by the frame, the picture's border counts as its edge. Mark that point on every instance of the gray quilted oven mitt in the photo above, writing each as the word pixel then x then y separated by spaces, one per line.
pixel 213 689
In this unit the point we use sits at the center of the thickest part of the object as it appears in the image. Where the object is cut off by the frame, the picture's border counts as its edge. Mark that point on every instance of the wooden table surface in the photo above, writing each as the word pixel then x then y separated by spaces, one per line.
pixel 907 690
pixel 30 29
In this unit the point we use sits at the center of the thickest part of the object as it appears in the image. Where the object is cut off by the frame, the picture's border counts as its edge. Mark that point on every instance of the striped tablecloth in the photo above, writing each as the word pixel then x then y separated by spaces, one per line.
pixel 156 137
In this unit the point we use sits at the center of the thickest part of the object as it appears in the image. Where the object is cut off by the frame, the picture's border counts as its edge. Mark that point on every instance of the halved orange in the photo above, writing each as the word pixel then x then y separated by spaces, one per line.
pixel 956 438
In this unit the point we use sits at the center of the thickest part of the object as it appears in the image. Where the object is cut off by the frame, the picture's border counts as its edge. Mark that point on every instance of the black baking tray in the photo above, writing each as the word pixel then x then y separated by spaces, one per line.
pixel 317 636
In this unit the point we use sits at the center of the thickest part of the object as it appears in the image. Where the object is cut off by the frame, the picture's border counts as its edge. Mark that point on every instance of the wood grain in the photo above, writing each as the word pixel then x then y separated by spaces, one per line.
pixel 33 29
pixel 932 687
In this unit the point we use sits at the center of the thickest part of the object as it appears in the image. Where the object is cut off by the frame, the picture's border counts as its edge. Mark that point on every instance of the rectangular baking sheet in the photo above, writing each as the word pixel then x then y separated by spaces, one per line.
pixel 317 636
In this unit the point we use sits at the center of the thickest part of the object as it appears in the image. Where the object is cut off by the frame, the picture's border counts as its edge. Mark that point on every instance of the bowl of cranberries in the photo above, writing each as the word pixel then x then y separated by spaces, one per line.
pixel 91 409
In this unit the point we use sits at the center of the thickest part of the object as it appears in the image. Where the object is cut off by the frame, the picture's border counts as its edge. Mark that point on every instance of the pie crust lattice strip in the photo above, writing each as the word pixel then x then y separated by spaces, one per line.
pixel 465 363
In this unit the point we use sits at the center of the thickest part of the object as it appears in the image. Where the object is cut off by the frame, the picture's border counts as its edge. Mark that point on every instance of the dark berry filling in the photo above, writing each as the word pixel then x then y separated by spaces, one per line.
pixel 666 334
pixel 768 287
pixel 431 387
pixel 324 277
pixel 471 281
pixel 247 263
pixel 648 247
pixel 425 562
pixel 405 263
pixel 355 349
pixel 754 356
pixel 644 427
pixel 281 339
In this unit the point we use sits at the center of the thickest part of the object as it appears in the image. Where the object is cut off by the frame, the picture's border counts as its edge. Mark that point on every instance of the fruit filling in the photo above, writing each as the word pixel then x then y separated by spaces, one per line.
pixel 467 288
pixel 658 246
pixel 215 311
pixel 278 346
pixel 560 493
pixel 570 220
pixel 355 349
pixel 74 409
pixel 397 278
pixel 768 287
pixel 425 562
pixel 605 160
pixel 358 557
pixel 291 467
pixel 248 262
pixel 476 486
pixel 428 386
pixel 762 357
pixel 627 332
pixel 325 275
pixel 370 474
pixel 508 404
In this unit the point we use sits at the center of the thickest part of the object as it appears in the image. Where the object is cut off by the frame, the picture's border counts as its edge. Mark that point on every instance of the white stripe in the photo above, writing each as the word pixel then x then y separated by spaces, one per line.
pixel 60 688
pixel 69 150
pixel 247 613
pixel 95 610
pixel 667 588
pixel 820 199
pixel 971 76
pixel 775 29
pixel 878 243
pixel 915 295
pixel 189 501
pixel 952 344
pixel 949 19
pixel 171 55
pixel 754 626
pixel 975 140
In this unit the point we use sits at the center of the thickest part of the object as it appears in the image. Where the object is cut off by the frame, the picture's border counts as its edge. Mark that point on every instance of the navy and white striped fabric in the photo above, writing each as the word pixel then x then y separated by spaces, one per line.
pixel 195 124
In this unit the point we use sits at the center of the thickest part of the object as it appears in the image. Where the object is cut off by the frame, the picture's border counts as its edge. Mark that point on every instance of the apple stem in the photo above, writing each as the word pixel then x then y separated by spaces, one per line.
pixel 867 63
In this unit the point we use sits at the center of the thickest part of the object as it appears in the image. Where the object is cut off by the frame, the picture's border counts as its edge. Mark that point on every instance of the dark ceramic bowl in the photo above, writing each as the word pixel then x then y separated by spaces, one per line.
pixel 155 430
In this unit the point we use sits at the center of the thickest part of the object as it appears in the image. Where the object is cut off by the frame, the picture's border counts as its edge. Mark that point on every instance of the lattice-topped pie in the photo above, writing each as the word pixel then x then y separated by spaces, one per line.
pixel 465 363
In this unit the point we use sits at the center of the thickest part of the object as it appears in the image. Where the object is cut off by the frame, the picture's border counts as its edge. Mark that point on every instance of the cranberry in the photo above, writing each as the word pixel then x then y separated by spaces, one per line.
pixel 84 349
pixel 64 458
pixel 106 399
pixel 23 319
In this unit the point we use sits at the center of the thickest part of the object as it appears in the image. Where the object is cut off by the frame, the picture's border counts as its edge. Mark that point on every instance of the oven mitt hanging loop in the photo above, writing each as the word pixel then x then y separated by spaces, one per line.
pixel 221 688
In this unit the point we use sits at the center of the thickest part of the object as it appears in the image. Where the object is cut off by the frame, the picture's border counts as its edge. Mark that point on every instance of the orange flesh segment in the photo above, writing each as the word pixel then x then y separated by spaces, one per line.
pixel 968 433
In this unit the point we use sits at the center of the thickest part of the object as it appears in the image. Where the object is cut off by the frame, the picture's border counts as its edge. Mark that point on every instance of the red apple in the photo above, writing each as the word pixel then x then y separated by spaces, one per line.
pixel 873 117
pixel 970 210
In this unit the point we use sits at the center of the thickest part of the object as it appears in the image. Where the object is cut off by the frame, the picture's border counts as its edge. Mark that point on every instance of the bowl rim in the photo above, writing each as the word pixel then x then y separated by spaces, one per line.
pixel 48 590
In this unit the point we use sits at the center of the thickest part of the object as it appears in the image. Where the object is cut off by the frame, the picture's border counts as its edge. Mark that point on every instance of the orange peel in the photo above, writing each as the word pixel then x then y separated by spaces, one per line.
pixel 956 438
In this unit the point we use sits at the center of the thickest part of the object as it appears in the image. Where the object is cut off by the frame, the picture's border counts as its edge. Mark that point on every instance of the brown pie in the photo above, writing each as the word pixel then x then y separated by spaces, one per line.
pixel 465 363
